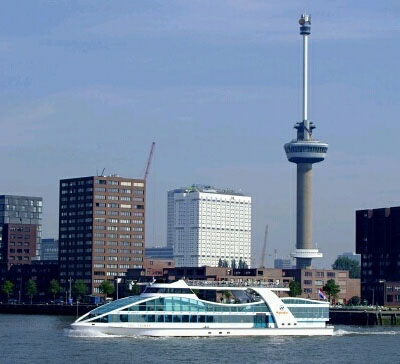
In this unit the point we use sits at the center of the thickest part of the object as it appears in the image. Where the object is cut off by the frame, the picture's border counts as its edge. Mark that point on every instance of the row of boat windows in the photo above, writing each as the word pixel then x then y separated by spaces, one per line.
pixel 310 312
pixel 191 305
pixel 168 290
pixel 259 320
pixel 296 301
pixel 115 304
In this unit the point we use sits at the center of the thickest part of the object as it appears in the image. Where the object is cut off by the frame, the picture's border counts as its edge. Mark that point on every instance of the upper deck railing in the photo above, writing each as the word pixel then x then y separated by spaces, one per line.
pixel 227 284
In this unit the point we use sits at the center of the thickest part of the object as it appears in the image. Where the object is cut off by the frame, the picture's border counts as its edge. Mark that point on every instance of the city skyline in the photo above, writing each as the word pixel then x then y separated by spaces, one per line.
pixel 216 86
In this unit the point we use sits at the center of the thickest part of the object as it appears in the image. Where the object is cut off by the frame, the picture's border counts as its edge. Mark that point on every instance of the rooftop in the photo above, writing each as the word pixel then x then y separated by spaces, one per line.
pixel 207 189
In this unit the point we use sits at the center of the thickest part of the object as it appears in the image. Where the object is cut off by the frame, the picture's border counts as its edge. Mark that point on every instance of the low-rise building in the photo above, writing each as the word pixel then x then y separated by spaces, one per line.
pixel 42 272
pixel 49 249
pixel 280 263
pixel 312 280
pixel 391 293
pixel 352 256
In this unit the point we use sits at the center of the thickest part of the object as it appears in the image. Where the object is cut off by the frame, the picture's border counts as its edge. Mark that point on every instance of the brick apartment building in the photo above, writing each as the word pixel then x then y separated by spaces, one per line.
pixel 101 229
pixel 20 229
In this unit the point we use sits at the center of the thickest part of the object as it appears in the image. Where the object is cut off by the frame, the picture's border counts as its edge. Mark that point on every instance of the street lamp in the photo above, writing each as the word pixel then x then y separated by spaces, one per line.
pixel 373 292
pixel 70 289
pixel 118 280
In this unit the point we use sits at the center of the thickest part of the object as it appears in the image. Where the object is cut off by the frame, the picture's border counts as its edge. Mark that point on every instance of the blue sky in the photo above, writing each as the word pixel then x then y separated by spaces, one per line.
pixel 87 85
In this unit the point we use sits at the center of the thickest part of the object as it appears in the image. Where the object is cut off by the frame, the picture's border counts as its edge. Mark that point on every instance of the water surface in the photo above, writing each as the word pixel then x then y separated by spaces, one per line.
pixel 48 339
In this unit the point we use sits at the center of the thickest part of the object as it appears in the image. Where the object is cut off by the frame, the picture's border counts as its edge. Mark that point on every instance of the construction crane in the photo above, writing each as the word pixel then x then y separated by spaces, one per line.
pixel 264 248
pixel 146 173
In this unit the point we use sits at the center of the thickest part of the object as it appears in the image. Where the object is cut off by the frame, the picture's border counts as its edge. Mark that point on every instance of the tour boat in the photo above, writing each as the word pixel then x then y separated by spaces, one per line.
pixel 204 308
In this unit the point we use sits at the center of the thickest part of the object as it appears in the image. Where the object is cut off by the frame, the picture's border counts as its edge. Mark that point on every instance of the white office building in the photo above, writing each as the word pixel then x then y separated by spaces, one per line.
pixel 207 224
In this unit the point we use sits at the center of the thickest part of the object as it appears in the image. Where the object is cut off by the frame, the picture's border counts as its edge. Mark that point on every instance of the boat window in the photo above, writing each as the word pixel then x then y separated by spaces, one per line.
pixel 310 312
pixel 301 301
pixel 150 289
pixel 258 321
pixel 113 305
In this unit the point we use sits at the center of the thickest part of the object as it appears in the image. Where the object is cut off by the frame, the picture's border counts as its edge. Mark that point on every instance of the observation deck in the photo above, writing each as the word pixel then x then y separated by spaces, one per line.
pixel 306 151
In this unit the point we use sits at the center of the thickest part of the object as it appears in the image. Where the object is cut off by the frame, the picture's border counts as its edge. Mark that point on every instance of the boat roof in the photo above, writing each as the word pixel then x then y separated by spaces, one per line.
pixel 220 285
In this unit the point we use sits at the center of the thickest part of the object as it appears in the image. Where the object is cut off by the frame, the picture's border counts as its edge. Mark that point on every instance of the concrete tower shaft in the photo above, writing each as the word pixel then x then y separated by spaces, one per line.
pixel 305 151
pixel 304 207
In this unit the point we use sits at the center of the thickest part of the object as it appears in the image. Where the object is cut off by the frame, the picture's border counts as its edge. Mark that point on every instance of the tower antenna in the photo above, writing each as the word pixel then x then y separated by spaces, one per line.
pixel 304 151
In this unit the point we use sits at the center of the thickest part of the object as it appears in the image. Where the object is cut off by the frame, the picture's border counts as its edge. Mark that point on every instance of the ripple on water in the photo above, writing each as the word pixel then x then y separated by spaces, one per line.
pixel 341 332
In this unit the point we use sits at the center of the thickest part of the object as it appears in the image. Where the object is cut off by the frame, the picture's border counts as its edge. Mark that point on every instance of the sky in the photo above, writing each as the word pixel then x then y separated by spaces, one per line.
pixel 87 85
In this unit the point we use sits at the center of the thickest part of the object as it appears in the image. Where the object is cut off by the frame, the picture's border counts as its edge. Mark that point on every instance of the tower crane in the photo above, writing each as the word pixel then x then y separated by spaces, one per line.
pixel 264 248
pixel 146 173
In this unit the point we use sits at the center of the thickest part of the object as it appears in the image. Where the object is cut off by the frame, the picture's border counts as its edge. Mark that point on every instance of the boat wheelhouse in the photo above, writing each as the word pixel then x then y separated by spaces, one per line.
pixel 209 309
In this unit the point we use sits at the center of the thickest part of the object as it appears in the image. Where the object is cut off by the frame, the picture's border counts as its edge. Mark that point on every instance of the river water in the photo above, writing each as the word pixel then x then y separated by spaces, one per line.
pixel 48 339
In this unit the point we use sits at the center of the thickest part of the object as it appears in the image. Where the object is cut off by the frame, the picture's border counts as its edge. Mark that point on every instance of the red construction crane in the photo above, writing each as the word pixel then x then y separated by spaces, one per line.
pixel 264 248
pixel 146 173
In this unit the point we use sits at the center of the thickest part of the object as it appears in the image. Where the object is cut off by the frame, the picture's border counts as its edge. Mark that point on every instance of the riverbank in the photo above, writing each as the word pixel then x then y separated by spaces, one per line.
pixel 46 309
pixel 364 317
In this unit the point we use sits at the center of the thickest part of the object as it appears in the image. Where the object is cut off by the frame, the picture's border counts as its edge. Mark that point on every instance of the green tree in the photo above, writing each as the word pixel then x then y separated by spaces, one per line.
pixel 79 289
pixel 227 295
pixel 242 264
pixel 233 264
pixel 345 263
pixel 107 288
pixel 30 288
pixel 135 290
pixel 331 289
pixel 220 263
pixel 54 288
pixel 355 301
pixel 7 288
pixel 294 289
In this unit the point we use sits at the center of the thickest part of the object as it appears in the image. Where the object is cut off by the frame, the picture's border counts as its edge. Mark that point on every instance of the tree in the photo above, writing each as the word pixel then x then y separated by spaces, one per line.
pixel 79 289
pixel 227 295
pixel 294 289
pixel 355 301
pixel 220 263
pixel 242 264
pixel 225 263
pixel 331 289
pixel 233 263
pixel 54 288
pixel 7 288
pixel 135 290
pixel 30 288
pixel 107 288
pixel 345 263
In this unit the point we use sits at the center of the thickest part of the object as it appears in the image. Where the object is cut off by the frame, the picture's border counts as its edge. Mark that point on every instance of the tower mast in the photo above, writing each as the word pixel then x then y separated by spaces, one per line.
pixel 305 151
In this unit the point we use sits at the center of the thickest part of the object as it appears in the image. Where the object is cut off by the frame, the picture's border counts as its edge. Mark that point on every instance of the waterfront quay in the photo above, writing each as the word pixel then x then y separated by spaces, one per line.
pixel 361 317
pixel 46 309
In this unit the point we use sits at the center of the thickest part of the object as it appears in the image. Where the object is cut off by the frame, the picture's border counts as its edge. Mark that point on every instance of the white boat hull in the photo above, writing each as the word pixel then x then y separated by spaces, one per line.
pixel 196 332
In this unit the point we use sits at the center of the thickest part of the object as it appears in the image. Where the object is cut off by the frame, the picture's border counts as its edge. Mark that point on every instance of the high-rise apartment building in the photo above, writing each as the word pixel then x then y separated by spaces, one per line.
pixel 207 224
pixel 101 228
pixel 20 229
pixel 378 242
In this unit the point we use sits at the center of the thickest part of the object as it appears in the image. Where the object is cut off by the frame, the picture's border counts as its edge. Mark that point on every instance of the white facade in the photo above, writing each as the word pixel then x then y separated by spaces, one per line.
pixel 205 225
